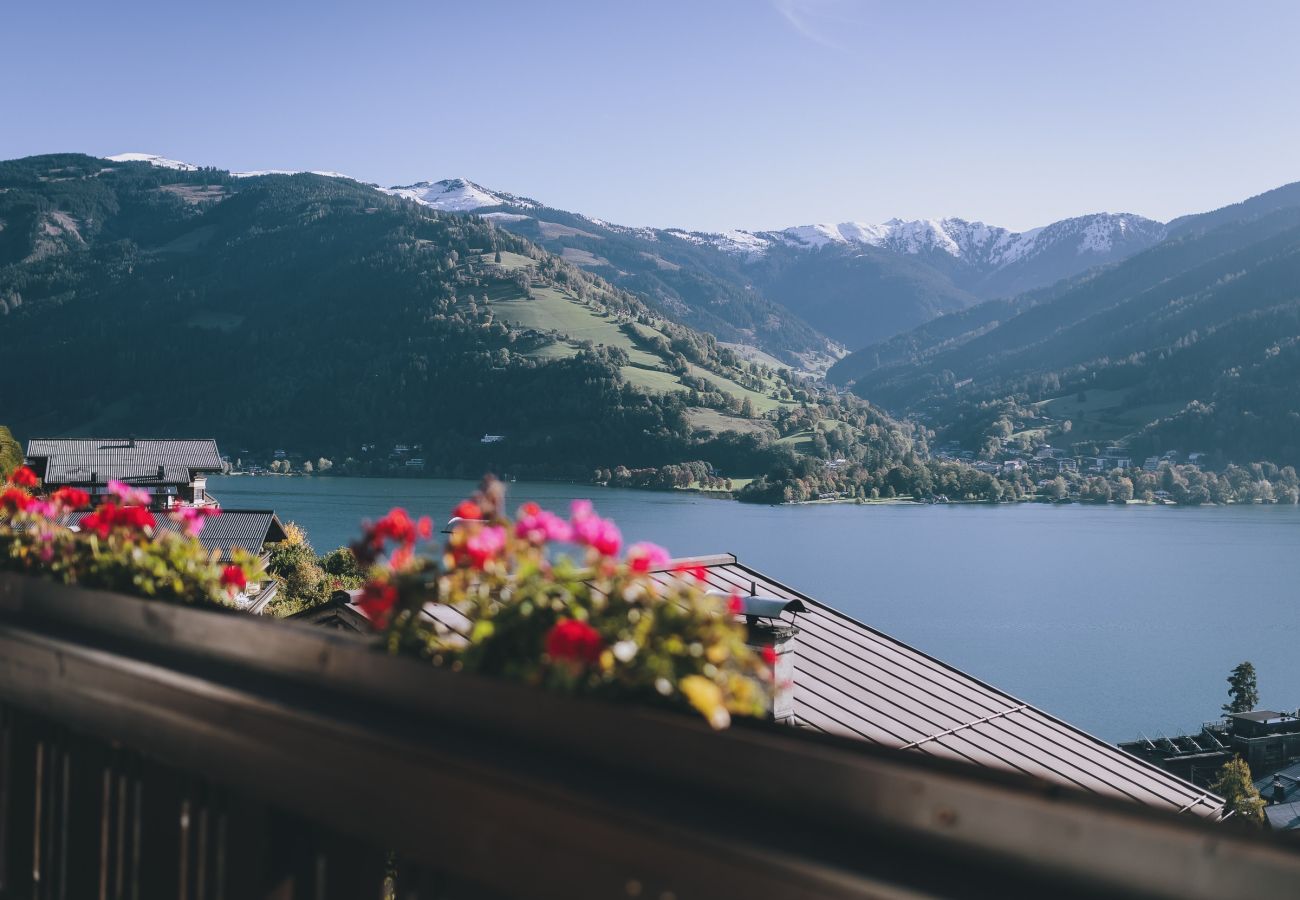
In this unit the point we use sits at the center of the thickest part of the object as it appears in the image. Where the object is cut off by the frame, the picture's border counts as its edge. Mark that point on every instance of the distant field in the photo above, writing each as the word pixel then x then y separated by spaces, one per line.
pixel 656 381
pixel 554 351
pixel 1100 417
pixel 762 402
pixel 509 261
pixel 583 257
pixel 705 419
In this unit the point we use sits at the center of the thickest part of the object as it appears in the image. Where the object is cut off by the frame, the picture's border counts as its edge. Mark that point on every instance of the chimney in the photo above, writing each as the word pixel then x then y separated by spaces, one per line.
pixel 131 441
pixel 764 628
pixel 160 473
pixel 1279 790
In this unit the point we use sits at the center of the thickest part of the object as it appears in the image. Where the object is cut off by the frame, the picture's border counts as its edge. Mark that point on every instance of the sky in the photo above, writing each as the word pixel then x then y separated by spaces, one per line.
pixel 709 115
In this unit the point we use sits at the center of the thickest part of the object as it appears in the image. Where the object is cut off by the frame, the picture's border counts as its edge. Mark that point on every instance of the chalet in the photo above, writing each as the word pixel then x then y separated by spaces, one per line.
pixel 1281 791
pixel 1152 464
pixel 173 472
pixel 842 677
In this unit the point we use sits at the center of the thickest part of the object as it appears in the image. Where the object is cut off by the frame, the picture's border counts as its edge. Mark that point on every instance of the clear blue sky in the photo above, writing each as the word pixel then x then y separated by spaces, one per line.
pixel 713 115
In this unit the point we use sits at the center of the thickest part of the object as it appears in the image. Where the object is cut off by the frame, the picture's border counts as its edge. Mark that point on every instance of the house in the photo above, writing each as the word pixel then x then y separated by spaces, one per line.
pixel 840 676
pixel 1152 464
pixel 492 438
pixel 1067 465
pixel 1013 465
pixel 1281 791
pixel 174 472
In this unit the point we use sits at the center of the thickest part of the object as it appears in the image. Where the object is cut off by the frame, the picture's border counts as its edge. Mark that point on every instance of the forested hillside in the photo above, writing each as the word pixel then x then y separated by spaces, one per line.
pixel 1189 345
pixel 320 314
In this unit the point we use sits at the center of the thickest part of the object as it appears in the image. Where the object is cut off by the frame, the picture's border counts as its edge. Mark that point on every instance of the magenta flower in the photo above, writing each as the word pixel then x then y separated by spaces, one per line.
pixel 644 556
pixel 485 544
pixel 128 495
pixel 540 526
pixel 191 519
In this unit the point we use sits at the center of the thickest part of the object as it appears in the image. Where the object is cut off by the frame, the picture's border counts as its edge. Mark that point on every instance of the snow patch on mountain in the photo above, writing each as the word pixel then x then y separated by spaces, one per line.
pixel 457 195
pixel 152 159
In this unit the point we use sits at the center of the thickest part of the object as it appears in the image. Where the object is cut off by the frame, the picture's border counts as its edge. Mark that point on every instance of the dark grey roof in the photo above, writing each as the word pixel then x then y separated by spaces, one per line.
pixel 850 679
pixel 73 461
pixel 1283 816
pixel 248 529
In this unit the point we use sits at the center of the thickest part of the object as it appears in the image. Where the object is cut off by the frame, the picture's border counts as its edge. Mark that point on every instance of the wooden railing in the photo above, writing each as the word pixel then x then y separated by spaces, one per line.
pixel 154 751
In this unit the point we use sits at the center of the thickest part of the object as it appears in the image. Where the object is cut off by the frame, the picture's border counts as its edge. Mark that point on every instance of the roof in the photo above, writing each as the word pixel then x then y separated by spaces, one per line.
pixel 247 529
pixel 75 460
pixel 1283 816
pixel 1264 715
pixel 853 680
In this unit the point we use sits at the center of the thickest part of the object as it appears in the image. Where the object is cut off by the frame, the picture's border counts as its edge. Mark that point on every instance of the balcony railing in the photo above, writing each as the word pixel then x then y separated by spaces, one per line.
pixel 153 751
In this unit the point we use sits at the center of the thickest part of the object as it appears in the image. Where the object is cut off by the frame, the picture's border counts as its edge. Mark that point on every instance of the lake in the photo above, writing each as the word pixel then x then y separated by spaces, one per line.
pixel 1119 620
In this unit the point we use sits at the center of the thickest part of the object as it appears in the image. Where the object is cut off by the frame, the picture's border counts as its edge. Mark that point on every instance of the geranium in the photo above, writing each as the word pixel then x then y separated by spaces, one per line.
pixel 128 495
pixel 644 556
pixel 695 570
pixel 68 499
pixel 395 526
pixel 485 544
pixel 377 601
pixel 15 500
pixel 234 579
pixel 23 477
pixel 191 518
pixel 570 640
pixel 601 625
pixel 592 531
pixel 735 605
pixel 539 526
pixel 467 509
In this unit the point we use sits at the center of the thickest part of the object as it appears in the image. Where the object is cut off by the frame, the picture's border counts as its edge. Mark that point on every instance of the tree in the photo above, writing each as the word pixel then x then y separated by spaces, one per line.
pixel 1243 692
pixel 11 453
pixel 1238 791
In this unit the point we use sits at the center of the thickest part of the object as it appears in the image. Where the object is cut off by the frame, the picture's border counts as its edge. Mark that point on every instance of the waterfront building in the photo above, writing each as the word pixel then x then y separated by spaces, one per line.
pixel 173 472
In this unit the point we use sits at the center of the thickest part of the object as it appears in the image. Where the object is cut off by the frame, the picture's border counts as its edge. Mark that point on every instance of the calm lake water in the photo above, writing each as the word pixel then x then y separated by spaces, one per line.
pixel 1117 619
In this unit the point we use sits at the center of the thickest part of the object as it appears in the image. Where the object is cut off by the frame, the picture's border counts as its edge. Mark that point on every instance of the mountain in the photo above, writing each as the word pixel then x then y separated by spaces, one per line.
pixel 1192 344
pixel 319 314
pixel 788 291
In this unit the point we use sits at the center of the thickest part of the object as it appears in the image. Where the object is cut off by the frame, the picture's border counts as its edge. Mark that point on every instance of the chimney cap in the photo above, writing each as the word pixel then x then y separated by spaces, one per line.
pixel 757 607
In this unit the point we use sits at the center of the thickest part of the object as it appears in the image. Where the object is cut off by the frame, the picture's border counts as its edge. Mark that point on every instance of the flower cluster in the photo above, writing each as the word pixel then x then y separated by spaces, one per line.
pixel 117 545
pixel 603 624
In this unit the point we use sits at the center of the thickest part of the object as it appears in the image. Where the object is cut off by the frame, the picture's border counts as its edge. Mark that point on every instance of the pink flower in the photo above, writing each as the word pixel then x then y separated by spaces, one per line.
pixel 485 544
pixel 191 518
pixel 644 556
pixel 539 526
pixel 592 531
pixel 128 495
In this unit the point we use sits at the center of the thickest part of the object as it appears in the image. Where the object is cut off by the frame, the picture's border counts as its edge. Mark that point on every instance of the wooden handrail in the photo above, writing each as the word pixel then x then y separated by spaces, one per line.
pixel 504 790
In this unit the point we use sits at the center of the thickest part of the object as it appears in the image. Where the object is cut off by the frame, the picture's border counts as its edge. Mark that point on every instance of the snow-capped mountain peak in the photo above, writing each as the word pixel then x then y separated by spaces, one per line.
pixel 152 159
pixel 456 195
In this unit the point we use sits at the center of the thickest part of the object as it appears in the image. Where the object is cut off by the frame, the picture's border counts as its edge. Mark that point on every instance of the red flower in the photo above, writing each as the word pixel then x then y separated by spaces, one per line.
pixel 23 477
pixel 70 498
pixel 424 527
pixel 574 641
pixel 467 509
pixel 233 577
pixel 769 655
pixel 735 605
pixel 377 601
pixel 700 573
pixel 396 526
pixel 14 500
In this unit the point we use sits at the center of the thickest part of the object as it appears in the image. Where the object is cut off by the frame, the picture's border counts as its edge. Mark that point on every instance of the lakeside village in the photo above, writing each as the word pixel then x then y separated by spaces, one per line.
pixel 1041 473
pixel 831 673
